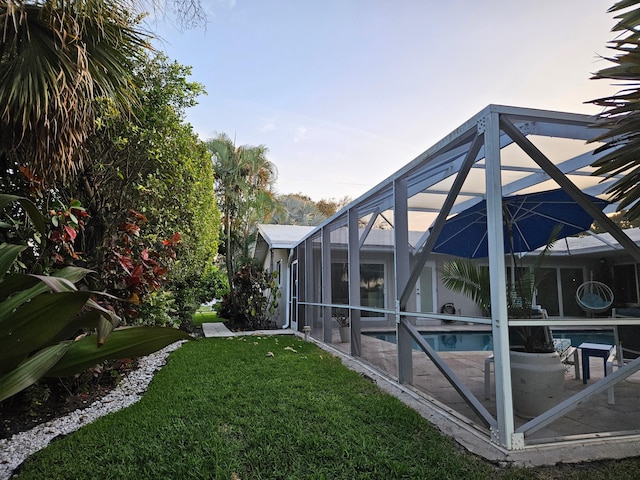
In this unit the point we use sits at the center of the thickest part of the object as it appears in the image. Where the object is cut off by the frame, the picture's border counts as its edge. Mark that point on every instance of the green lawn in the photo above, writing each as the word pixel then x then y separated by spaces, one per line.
pixel 205 316
pixel 228 409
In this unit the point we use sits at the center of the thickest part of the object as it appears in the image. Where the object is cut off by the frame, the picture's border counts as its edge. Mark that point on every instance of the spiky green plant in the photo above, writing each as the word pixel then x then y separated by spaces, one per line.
pixel 467 277
pixel 621 114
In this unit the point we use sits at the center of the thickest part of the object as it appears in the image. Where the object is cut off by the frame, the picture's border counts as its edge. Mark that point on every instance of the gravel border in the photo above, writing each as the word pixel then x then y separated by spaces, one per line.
pixel 15 450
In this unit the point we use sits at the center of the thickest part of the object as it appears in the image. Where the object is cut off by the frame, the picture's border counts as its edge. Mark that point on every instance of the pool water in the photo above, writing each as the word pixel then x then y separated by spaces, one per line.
pixel 592 336
pixel 481 341
pixel 446 341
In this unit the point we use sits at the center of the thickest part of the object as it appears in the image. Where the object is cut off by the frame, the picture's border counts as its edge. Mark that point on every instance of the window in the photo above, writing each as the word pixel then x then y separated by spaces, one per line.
pixel 556 290
pixel 625 284
pixel 547 291
pixel 570 280
pixel 371 286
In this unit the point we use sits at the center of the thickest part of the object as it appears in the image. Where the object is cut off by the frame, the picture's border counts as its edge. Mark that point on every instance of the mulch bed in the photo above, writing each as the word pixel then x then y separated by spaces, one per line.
pixel 53 398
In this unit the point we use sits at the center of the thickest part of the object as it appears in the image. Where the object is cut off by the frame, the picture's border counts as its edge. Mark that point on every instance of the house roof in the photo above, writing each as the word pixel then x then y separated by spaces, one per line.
pixel 600 243
pixel 278 236
pixel 288 236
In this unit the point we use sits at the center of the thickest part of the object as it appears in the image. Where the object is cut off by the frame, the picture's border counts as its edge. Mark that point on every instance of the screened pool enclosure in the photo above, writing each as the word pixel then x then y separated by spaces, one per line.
pixel 373 268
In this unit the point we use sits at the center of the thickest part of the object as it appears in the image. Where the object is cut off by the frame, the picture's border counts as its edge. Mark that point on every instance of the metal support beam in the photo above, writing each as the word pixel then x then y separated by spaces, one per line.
pixel 442 217
pixel 309 269
pixel 368 228
pixel 354 281
pixel 497 275
pixel 327 323
pixel 450 375
pixel 568 186
pixel 402 270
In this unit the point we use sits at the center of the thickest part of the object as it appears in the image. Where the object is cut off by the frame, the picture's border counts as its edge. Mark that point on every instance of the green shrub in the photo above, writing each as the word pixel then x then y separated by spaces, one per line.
pixel 49 327
pixel 252 303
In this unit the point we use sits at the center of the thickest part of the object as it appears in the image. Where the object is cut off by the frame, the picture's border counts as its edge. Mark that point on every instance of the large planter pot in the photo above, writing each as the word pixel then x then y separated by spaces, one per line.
pixel 537 382
pixel 344 334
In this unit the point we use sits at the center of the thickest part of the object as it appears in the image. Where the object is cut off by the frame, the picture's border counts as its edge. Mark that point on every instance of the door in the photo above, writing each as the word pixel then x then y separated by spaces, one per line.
pixel 425 291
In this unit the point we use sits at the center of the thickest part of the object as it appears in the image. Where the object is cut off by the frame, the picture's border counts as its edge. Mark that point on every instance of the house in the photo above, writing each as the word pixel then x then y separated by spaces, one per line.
pixel 571 261
pixel 273 250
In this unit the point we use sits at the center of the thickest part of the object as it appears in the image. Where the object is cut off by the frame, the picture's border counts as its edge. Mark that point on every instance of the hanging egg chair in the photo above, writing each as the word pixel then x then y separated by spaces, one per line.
pixel 594 297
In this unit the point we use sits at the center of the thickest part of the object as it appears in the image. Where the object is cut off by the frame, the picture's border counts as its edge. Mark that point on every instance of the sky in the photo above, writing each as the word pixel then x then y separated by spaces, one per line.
pixel 343 93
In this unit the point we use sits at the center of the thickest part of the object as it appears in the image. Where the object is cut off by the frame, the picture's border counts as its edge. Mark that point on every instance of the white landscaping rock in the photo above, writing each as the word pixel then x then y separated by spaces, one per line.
pixel 15 450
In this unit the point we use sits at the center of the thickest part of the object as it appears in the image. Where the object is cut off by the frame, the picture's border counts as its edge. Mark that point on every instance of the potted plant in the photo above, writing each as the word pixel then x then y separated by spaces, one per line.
pixel 537 374
pixel 342 317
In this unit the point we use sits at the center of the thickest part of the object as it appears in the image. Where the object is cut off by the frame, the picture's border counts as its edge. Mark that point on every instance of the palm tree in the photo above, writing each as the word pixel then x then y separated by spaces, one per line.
pixel 244 180
pixel 57 57
pixel 296 209
pixel 622 111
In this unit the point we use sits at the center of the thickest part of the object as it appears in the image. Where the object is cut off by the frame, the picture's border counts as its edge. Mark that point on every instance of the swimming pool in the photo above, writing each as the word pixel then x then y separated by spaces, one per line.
pixel 446 341
pixel 482 341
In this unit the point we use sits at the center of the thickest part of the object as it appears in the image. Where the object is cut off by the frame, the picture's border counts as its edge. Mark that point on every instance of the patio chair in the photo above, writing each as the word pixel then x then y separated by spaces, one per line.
pixel 594 297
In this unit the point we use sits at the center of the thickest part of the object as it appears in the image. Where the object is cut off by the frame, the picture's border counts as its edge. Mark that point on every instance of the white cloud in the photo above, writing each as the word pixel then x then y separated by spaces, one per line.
pixel 269 125
pixel 300 134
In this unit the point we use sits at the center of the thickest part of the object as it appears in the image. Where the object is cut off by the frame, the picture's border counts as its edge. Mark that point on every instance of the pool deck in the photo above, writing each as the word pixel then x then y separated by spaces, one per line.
pixel 593 430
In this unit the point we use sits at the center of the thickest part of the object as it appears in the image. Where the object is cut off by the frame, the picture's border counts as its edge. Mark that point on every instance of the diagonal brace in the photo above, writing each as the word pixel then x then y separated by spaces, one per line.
pixel 450 375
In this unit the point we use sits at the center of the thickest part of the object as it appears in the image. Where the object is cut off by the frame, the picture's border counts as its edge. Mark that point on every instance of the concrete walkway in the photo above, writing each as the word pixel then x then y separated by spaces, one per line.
pixel 218 329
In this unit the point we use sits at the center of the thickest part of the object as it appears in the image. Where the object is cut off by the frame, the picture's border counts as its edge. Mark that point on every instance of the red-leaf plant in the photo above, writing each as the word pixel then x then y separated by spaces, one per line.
pixel 134 266
pixel 66 222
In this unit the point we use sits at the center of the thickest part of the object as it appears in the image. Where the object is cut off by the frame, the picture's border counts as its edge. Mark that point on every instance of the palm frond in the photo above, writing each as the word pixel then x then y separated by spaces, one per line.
pixel 620 117
pixel 465 276
pixel 56 59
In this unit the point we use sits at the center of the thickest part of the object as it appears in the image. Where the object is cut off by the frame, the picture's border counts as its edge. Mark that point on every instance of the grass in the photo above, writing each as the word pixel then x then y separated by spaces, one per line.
pixel 206 316
pixel 227 409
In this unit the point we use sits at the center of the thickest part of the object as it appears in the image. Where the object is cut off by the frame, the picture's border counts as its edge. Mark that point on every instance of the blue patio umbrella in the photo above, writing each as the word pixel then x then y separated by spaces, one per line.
pixel 529 220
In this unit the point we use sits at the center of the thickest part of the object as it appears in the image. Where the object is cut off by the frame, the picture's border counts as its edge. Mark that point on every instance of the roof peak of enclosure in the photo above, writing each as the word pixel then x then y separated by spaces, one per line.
pixel 562 137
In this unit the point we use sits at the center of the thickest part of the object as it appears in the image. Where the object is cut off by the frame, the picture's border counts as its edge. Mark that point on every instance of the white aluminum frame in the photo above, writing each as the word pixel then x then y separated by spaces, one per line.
pixel 477 144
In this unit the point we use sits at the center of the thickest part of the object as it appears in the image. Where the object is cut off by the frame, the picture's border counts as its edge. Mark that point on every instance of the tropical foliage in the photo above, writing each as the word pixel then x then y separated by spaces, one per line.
pixel 244 180
pixel 156 167
pixel 466 276
pixel 57 58
pixel 92 130
pixel 49 327
pixel 621 114
pixel 150 181
pixel 254 300
pixel 297 209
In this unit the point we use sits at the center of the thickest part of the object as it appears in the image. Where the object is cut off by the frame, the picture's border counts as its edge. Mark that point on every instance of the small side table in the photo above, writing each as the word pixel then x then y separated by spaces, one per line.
pixel 594 350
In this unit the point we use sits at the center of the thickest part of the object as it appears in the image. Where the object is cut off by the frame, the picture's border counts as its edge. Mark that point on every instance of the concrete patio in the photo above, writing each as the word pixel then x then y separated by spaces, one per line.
pixel 575 437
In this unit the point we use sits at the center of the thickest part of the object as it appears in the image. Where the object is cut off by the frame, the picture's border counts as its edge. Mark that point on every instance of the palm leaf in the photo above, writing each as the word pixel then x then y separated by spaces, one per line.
pixel 8 255
pixel 35 324
pixel 622 141
pixel 30 208
pixel 56 59
pixel 126 342
pixel 31 370
pixel 464 276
